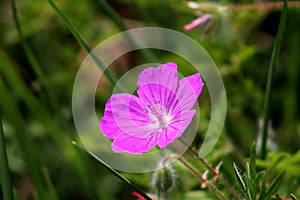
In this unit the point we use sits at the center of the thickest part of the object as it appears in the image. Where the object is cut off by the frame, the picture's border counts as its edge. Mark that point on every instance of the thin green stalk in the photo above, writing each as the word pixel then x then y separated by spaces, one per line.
pixel 4 168
pixel 272 66
pixel 114 172
pixel 49 183
pixel 113 15
pixel 82 42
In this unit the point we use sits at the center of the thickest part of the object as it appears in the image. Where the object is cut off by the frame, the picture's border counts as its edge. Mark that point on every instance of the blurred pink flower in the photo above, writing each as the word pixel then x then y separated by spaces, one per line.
pixel 159 115
pixel 198 22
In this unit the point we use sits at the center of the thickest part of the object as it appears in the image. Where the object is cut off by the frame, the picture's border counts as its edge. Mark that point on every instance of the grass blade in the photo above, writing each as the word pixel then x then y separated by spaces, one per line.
pixel 114 172
pixel 4 169
pixel 252 162
pixel 273 188
pixel 262 191
pixel 82 42
pixel 273 62
pixel 293 197
pixel 250 188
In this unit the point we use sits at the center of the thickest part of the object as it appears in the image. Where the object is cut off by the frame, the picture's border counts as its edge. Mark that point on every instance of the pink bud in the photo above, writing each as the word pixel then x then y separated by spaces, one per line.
pixel 198 22
pixel 193 5
pixel 138 196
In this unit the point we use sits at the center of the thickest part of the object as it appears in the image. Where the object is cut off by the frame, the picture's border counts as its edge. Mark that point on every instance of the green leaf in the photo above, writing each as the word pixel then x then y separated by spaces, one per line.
pixel 240 179
pixel 293 197
pixel 249 187
pixel 252 161
pixel 271 72
pixel 259 177
pixel 274 186
pixel 263 186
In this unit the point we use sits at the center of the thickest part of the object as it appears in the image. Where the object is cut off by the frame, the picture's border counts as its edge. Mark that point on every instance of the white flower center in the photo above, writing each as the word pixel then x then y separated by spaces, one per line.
pixel 159 116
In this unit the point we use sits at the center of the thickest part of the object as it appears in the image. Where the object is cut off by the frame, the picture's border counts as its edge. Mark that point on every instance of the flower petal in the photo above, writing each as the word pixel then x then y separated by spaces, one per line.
pixel 158 84
pixel 188 91
pixel 133 145
pixel 175 129
pixel 198 22
pixel 124 114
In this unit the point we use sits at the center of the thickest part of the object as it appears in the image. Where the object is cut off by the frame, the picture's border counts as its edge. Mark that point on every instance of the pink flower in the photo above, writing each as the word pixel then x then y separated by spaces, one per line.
pixel 159 115
pixel 198 22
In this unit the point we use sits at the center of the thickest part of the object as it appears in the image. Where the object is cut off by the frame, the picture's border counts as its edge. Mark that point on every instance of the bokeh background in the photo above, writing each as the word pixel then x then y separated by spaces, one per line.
pixel 36 91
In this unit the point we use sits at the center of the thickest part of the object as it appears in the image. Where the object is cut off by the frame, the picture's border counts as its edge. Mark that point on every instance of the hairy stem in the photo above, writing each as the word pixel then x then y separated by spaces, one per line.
pixel 266 5
pixel 212 170
pixel 196 173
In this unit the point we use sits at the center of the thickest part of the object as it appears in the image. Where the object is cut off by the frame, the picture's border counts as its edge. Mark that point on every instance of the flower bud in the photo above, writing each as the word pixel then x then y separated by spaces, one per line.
pixel 164 178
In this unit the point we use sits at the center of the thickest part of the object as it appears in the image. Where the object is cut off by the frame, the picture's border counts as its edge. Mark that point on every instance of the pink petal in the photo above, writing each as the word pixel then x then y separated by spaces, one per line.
pixel 188 91
pixel 197 22
pixel 175 129
pixel 125 114
pixel 133 145
pixel 158 85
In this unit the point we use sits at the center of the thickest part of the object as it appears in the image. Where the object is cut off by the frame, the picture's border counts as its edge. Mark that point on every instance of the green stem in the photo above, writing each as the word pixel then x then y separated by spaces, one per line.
pixel 114 172
pixel 82 42
pixel 272 66
pixel 4 168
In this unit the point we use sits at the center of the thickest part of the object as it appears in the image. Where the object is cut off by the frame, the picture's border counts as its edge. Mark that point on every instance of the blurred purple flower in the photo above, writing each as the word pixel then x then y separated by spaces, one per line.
pixel 159 115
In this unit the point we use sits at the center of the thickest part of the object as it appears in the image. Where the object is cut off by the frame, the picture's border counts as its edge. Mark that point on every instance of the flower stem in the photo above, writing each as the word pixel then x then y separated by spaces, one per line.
pixel 266 5
pixel 273 62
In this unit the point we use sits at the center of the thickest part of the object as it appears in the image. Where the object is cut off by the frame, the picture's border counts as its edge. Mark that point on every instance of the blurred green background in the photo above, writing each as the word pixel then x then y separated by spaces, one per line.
pixel 36 91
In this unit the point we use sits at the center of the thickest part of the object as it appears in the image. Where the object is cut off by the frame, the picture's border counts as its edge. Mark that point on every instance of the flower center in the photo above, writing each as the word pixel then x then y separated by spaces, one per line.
pixel 159 116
